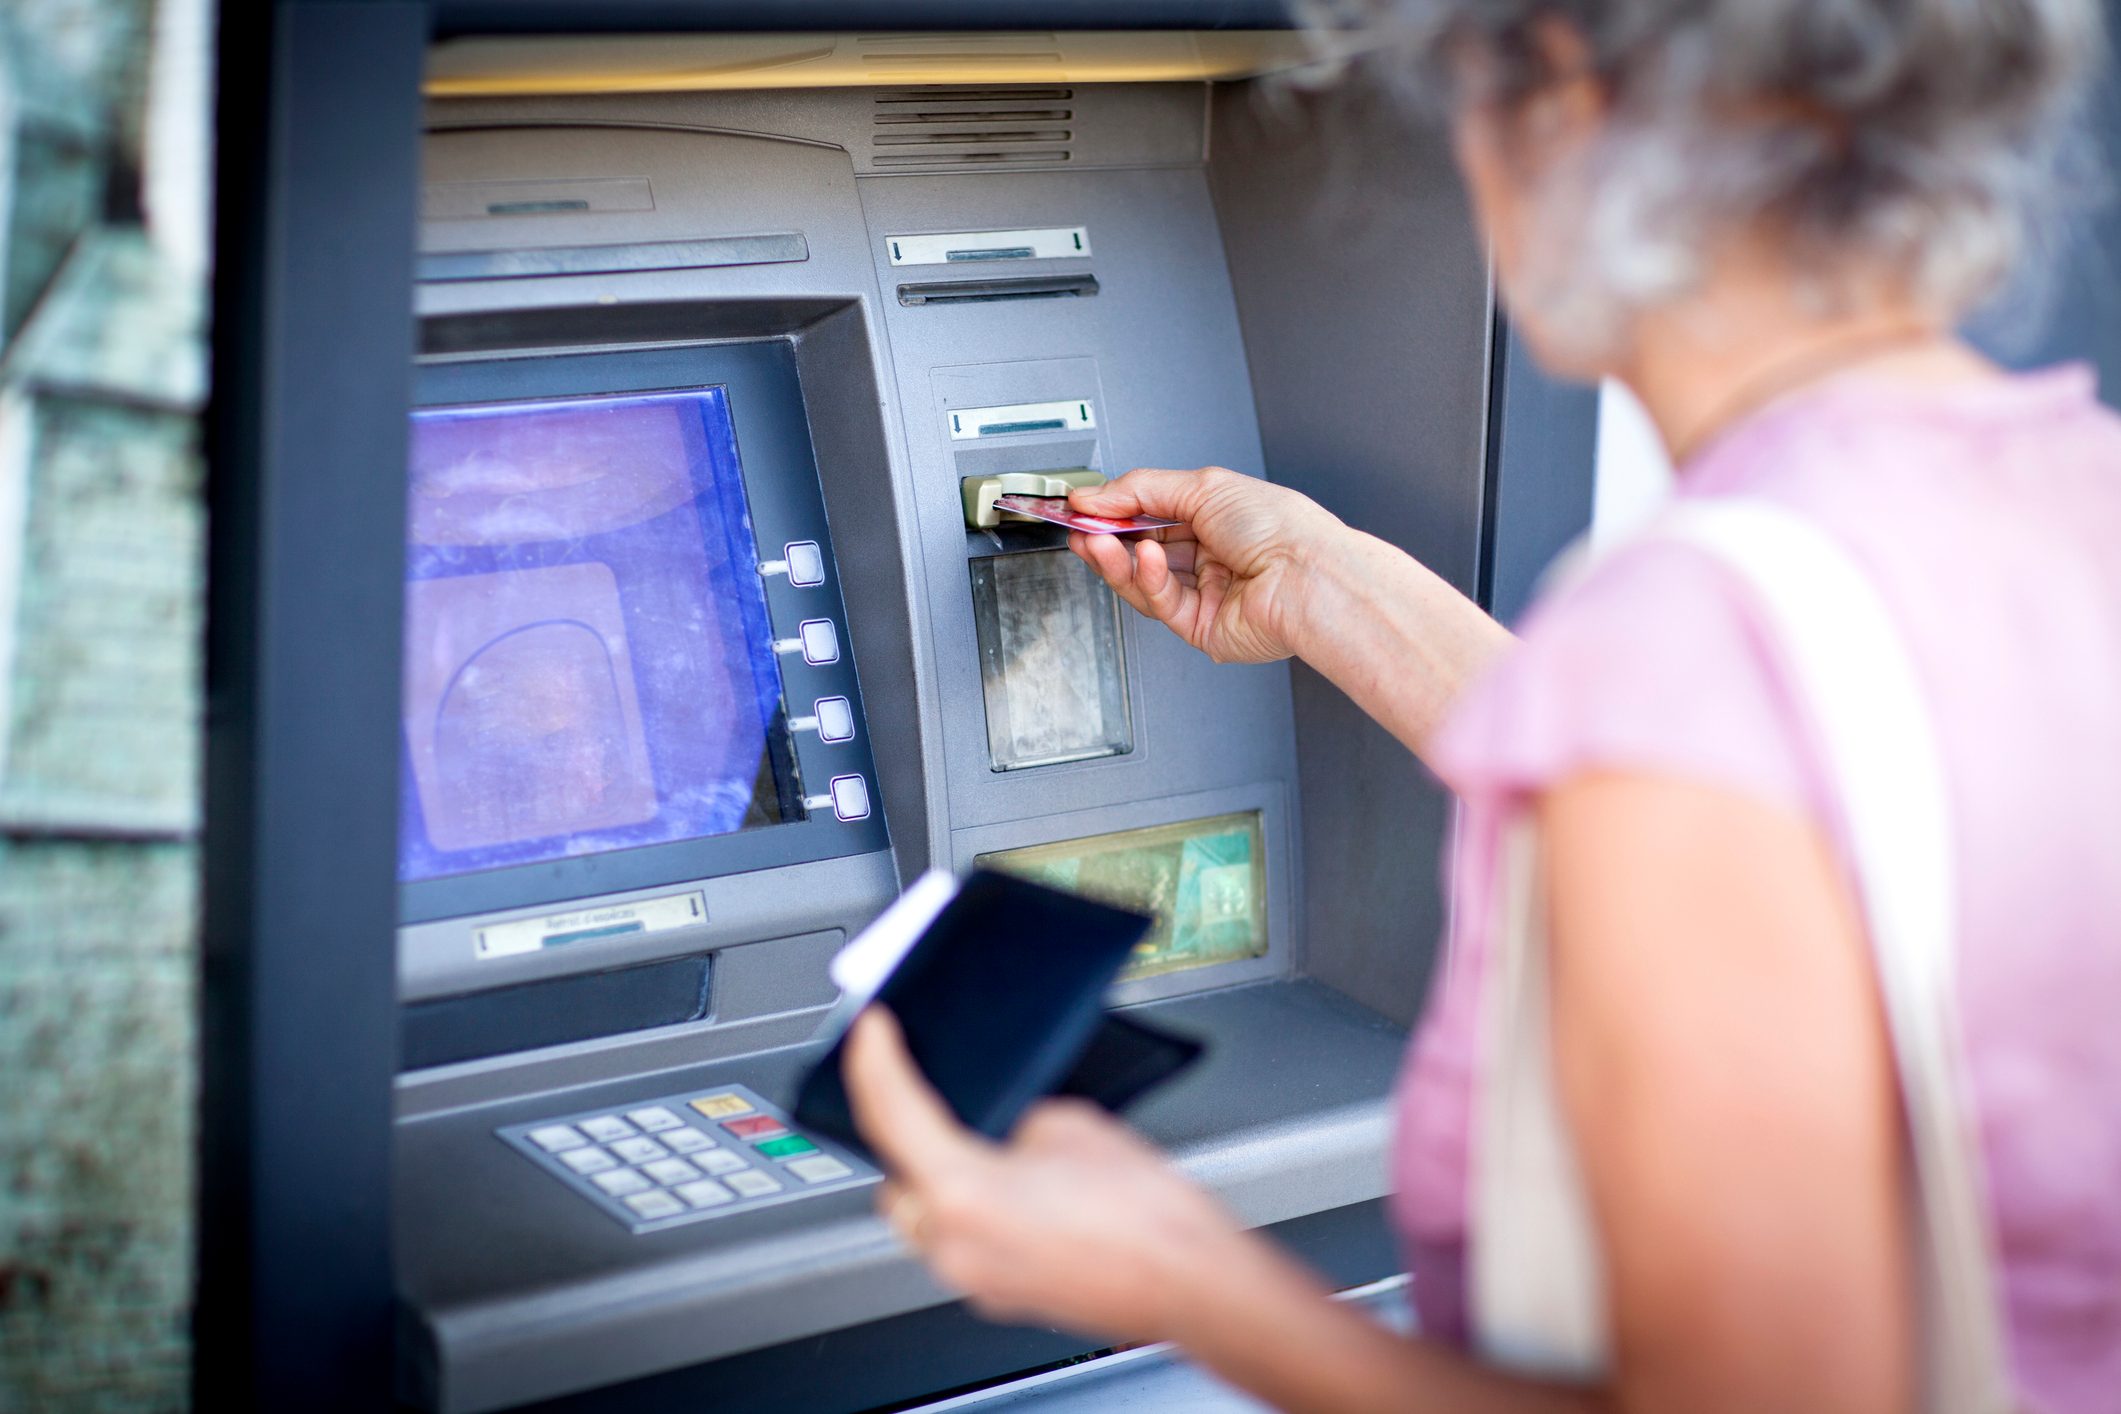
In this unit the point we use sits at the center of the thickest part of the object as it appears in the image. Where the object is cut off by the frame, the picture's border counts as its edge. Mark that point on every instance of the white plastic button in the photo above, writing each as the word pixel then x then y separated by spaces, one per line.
pixel 556 1138
pixel 718 1161
pixel 818 1168
pixel 850 797
pixel 670 1172
pixel 620 1182
pixel 588 1160
pixel 753 1184
pixel 655 1205
pixel 806 564
pixel 685 1141
pixel 654 1119
pixel 835 719
pixel 639 1151
pixel 704 1194
pixel 605 1128
pixel 821 641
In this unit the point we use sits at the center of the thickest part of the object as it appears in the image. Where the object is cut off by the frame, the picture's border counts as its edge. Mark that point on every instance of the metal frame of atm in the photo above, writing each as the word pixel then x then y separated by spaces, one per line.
pixel 317 167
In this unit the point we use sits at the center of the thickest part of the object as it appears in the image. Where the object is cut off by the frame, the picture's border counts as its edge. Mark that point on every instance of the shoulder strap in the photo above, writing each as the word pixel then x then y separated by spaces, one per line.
pixel 1536 1276
pixel 1872 723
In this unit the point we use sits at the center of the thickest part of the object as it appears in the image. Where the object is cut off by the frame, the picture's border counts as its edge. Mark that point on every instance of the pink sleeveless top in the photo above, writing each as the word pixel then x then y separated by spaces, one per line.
pixel 1990 520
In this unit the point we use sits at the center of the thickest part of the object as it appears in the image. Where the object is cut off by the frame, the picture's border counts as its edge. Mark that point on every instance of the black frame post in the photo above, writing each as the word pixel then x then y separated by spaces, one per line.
pixel 319 115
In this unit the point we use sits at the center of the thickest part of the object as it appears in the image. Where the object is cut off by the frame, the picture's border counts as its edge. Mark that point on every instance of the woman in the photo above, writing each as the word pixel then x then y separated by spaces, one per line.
pixel 1765 217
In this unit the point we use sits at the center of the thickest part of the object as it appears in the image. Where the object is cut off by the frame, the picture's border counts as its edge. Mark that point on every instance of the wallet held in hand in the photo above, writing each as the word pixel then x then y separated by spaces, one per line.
pixel 998 985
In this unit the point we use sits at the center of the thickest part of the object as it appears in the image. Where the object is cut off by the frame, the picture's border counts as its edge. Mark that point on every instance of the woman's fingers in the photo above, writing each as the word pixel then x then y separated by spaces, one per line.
pixel 1161 591
pixel 1143 578
pixel 896 1109
pixel 1147 491
pixel 1112 562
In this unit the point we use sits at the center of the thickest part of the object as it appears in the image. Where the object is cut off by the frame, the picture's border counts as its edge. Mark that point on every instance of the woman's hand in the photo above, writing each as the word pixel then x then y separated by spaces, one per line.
pixel 1231 579
pixel 1074 1222
pixel 1257 572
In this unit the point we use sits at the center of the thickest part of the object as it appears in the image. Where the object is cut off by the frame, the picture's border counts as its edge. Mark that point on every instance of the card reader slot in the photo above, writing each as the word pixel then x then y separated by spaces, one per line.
pixel 989 291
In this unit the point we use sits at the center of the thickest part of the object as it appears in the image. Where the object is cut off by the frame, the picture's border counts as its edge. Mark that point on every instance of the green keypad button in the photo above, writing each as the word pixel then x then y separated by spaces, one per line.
pixel 787 1147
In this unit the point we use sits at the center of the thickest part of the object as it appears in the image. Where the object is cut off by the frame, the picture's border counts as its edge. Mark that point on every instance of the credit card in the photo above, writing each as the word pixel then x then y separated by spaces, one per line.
pixel 1056 511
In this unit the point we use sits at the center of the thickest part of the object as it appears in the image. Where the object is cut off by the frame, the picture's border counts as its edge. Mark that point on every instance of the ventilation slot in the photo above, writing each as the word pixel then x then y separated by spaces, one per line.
pixel 993 291
pixel 933 129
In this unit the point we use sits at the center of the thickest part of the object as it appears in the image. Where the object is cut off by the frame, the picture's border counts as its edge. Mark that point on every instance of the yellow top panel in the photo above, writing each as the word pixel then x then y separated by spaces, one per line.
pixel 521 65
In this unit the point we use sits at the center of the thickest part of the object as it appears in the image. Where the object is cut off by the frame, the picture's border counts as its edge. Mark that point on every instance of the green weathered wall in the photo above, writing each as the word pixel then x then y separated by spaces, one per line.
pixel 101 529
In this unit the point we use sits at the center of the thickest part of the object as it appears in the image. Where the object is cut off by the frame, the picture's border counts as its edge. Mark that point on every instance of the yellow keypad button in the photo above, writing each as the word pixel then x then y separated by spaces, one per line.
pixel 722 1106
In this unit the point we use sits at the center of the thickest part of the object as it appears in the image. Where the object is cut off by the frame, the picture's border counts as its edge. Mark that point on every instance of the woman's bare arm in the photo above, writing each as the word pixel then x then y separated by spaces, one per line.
pixel 1258 572
pixel 1726 1071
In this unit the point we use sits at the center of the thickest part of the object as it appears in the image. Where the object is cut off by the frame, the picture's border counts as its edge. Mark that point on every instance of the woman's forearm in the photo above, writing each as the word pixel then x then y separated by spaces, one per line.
pixel 1261 1322
pixel 1393 635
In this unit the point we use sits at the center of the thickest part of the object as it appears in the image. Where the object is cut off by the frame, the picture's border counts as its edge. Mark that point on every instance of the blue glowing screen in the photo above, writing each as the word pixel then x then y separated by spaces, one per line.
pixel 588 662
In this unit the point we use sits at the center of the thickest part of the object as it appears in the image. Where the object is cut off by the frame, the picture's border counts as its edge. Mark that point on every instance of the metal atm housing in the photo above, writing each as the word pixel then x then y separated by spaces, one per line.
pixel 897 287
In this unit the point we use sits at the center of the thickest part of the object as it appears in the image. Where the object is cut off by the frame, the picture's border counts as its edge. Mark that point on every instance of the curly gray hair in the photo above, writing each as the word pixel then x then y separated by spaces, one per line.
pixel 1928 137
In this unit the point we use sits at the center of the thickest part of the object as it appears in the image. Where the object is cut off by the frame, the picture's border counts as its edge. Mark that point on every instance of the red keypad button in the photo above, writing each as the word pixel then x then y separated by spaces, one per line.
pixel 755 1127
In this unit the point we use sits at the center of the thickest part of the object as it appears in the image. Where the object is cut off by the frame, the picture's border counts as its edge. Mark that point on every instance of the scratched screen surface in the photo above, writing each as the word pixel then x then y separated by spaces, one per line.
pixel 588 662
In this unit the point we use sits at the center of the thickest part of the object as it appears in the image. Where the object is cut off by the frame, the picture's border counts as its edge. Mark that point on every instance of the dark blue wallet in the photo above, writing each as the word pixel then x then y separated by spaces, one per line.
pixel 1001 999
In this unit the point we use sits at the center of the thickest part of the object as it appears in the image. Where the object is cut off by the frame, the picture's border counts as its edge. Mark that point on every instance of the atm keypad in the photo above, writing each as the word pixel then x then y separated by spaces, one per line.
pixel 686 1157
pixel 639 1151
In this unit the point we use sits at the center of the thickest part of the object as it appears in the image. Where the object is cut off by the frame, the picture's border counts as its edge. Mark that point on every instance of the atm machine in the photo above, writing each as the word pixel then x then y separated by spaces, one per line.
pixel 708 639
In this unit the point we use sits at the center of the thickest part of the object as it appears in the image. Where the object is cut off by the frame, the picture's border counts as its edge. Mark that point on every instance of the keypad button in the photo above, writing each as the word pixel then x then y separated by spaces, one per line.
pixel 620 1182
pixel 670 1172
pixel 605 1128
pixel 753 1184
pixel 587 1161
pixel 704 1194
pixel 639 1151
pixel 755 1127
pixel 654 1120
pixel 719 1161
pixel 557 1138
pixel 655 1205
pixel 722 1106
pixel 819 1168
pixel 788 1146
pixel 684 1140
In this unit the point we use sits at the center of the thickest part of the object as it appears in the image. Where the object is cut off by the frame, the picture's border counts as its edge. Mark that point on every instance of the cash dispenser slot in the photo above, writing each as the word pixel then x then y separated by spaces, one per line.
pixel 555 1012
pixel 524 263
pixel 992 291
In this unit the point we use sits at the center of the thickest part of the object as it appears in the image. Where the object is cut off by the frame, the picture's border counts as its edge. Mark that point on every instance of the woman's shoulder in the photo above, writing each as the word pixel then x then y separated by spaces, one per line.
pixel 1650 662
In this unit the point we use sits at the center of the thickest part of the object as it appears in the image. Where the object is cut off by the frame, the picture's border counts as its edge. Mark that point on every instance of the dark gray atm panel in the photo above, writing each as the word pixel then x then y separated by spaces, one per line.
pixel 926 329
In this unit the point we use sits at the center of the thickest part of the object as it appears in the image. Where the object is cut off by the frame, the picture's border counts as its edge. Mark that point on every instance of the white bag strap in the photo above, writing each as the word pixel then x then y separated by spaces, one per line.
pixel 1875 732
pixel 1537 1280
pixel 1536 1274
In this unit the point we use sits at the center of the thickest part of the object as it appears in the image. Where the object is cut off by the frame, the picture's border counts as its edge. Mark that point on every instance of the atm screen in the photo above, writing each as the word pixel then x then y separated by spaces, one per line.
pixel 588 661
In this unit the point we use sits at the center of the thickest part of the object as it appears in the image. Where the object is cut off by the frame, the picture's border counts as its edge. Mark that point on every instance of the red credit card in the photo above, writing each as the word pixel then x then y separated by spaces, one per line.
pixel 1055 509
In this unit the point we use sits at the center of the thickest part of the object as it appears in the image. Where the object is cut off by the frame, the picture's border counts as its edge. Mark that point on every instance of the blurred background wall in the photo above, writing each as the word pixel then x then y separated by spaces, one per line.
pixel 103 165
